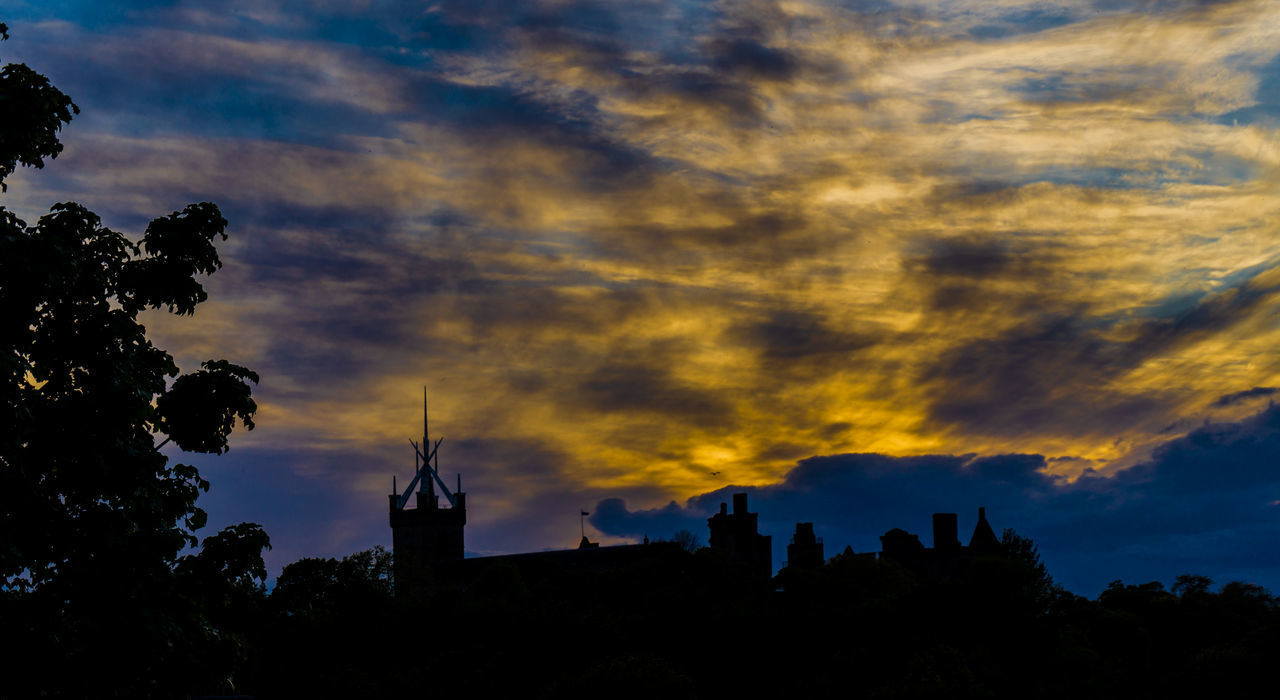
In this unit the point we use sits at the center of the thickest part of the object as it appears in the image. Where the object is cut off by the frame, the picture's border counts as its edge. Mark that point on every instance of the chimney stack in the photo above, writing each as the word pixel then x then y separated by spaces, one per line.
pixel 946 532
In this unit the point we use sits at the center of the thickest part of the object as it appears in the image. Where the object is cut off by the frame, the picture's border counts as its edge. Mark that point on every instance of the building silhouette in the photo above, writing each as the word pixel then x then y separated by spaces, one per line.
pixel 805 550
pixel 428 535
pixel 427 540
pixel 428 543
pixel 737 534
pixel 947 554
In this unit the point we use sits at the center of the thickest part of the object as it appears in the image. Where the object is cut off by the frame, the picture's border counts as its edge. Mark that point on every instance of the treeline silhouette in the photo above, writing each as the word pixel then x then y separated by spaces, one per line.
pixel 856 626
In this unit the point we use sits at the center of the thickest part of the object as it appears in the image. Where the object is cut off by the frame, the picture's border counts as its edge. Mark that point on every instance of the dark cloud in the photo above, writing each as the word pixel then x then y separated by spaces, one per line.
pixel 746 56
pixel 1207 502
pixel 629 385
pixel 281 91
pixel 978 194
pixel 346 305
pixel 1068 87
pixel 832 431
pixel 697 89
pixel 788 336
pixel 521 465
pixel 757 42
pixel 1237 397
pixel 967 257
pixel 1044 375
pixel 752 241
pixel 1214 314
pixel 145 82
pixel 304 365
pixel 783 450
pixel 602 54
pixel 1165 6
pixel 523 310
pixel 439 31
pixel 1026 21
pixel 1012 274
pixel 612 517
pixel 1051 371
pixel 523 494
pixel 360 261
pixel 329 221
pixel 609 38
pixel 506 115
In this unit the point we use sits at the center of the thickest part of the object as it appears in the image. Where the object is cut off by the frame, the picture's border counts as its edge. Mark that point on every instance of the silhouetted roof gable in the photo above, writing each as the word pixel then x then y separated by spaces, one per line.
pixel 984 538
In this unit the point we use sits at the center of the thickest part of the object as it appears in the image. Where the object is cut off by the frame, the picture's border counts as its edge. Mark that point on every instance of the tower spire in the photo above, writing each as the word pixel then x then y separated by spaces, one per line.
pixel 426 463
pixel 427 535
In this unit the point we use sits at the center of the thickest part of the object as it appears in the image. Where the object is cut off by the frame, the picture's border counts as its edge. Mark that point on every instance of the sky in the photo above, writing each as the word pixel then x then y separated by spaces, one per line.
pixel 866 260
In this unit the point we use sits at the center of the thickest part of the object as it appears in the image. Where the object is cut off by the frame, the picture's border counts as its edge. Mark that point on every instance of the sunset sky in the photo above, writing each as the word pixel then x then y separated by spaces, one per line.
pixel 874 258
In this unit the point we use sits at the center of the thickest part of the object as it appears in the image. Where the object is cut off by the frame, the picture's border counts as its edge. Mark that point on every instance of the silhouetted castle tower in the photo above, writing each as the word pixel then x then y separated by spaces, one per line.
pixel 947 553
pixel 900 544
pixel 805 550
pixel 946 532
pixel 427 534
pixel 984 540
pixel 738 535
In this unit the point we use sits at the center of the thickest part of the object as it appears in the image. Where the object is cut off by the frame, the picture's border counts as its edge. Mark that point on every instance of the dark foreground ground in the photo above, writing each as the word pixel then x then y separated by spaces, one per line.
pixel 694 626
pixel 674 625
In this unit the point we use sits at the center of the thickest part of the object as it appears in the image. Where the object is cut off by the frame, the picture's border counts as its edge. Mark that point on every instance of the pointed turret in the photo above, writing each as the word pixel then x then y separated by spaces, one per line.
pixel 984 540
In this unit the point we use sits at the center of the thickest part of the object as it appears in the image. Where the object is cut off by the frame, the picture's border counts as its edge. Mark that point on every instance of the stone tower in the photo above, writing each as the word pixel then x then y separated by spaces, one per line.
pixel 737 534
pixel 427 535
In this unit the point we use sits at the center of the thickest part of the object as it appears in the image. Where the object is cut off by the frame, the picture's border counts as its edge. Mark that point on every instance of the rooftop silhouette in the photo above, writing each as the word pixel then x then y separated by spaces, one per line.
pixel 428 539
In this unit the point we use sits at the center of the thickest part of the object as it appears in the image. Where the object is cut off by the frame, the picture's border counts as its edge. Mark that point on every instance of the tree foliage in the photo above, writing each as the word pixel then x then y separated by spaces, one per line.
pixel 315 584
pixel 1024 551
pixel 89 393
pixel 32 112
pixel 687 540
pixel 93 516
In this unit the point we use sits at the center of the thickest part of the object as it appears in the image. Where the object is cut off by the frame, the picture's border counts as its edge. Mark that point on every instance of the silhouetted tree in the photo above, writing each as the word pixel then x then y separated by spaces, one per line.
pixel 31 114
pixel 1191 585
pixel 331 628
pixel 1023 550
pixel 688 541
pixel 224 585
pixel 314 584
pixel 93 516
